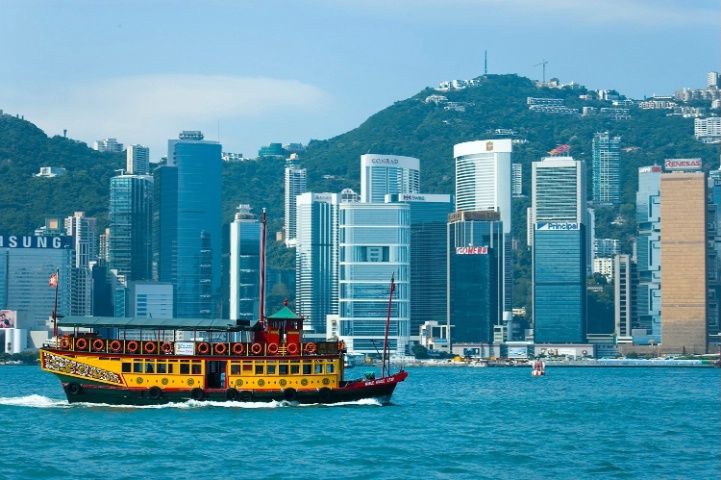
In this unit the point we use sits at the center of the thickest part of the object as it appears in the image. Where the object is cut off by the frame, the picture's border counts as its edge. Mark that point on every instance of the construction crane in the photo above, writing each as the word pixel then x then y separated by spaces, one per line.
pixel 543 63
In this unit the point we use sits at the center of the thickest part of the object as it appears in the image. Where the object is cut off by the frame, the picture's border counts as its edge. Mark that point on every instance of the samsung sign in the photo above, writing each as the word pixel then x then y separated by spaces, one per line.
pixel 31 241
pixel 558 226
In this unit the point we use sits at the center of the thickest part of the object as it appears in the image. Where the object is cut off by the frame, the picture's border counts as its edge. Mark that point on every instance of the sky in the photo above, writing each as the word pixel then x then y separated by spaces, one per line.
pixel 251 72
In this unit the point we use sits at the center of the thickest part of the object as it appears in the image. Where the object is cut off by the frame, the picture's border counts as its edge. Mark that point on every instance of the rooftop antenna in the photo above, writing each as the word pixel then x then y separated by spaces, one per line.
pixel 543 63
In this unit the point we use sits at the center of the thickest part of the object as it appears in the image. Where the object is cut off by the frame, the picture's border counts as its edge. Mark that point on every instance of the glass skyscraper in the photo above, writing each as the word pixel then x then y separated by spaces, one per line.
pixel 316 257
pixel 131 215
pixel 560 250
pixel 429 272
pixel 245 264
pixel 648 252
pixel 187 224
pixel 85 245
pixel 295 184
pixel 474 263
pixel 606 169
pixel 138 160
pixel 484 183
pixel 383 174
pixel 374 245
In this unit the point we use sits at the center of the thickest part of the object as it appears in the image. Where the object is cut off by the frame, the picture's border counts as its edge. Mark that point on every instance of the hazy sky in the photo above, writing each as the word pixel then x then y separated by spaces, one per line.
pixel 252 72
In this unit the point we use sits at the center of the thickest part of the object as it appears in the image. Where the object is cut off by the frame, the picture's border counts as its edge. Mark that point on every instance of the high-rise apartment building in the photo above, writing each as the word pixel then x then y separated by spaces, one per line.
pixel 483 183
pixel 138 160
pixel 316 259
pixel 560 250
pixel 108 145
pixel 85 244
pixel 131 226
pixel 384 174
pixel 606 169
pixel 245 264
pixel 187 224
pixel 474 262
pixel 623 274
pixel 517 180
pixel 429 259
pixel 374 246
pixel 295 184
pixel 648 290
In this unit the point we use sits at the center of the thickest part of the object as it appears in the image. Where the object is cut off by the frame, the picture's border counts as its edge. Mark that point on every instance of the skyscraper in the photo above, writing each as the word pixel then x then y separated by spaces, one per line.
pixel 316 260
pixel 245 264
pixel 295 184
pixel 383 174
pixel 187 224
pixel 683 260
pixel 138 160
pixel 648 252
pixel 714 260
pixel 606 169
pixel 483 183
pixel 374 245
pixel 560 250
pixel 131 222
pixel 85 244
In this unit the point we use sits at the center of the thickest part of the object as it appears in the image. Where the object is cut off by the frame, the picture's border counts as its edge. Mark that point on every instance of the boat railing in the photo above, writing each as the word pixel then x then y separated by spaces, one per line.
pixel 94 344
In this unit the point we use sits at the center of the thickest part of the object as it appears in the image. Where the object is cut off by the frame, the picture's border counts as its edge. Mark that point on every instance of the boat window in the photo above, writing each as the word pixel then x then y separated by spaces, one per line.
pixel 247 367
pixel 196 368
pixel 271 369
pixel 259 369
pixel 294 369
pixel 319 367
pixel 283 369
pixel 184 369
pixel 234 369
pixel 149 367
pixel 138 367
pixel 162 367
pixel 170 367
pixel 306 369
pixel 126 367
pixel 330 368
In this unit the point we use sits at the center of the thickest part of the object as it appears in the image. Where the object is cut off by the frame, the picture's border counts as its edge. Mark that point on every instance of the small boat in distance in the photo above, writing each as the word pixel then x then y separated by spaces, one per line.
pixel 538 368
pixel 148 361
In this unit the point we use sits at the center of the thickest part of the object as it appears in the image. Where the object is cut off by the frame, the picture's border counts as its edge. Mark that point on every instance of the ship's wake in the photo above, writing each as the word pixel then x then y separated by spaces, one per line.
pixel 39 401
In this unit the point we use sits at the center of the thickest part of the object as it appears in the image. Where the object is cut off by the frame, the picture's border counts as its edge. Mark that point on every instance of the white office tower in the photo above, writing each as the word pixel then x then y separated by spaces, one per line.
pixel 484 183
pixel 295 184
pixel 108 145
pixel 559 191
pixel 517 185
pixel 138 160
pixel 374 245
pixel 85 244
pixel 245 264
pixel 383 174
pixel 316 258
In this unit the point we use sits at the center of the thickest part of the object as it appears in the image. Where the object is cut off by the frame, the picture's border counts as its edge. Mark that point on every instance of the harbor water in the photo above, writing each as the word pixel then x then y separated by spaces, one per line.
pixel 443 423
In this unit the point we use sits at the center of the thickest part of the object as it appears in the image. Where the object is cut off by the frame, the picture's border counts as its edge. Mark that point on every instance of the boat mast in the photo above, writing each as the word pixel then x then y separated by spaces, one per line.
pixel 388 322
pixel 55 282
pixel 262 270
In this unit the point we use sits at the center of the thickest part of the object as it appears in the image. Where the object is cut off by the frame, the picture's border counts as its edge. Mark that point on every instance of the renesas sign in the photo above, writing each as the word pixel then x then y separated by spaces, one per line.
pixel 683 164
pixel 472 250
pixel 558 226
pixel 31 241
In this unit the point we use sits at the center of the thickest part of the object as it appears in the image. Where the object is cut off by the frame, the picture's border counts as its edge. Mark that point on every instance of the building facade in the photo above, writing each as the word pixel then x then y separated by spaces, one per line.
pixel 245 264
pixel 648 290
pixel 384 174
pixel 138 160
pixel 295 184
pixel 606 169
pixel 85 245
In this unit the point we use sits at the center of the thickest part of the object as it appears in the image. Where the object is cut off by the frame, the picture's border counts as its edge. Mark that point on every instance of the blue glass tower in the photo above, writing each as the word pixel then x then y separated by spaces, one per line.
pixel 131 215
pixel 245 241
pixel 606 169
pixel 189 224
pixel 648 252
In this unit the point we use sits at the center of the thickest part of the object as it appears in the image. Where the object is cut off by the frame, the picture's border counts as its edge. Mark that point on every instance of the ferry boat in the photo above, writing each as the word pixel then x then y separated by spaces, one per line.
pixel 141 361
pixel 136 361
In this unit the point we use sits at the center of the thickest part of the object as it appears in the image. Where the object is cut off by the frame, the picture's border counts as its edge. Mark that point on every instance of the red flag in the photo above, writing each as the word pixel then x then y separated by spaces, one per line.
pixel 53 282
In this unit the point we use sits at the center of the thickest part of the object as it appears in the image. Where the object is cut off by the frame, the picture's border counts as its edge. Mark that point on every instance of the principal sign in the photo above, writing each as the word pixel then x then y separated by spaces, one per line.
pixel 31 241
pixel 558 226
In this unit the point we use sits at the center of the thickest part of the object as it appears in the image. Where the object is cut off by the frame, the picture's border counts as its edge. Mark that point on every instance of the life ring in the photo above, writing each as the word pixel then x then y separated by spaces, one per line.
pixel 256 348
pixel 81 344
pixel 585 352
pixel 115 346
pixel 197 394
pixel 272 348
pixel 238 348
pixel 74 388
pixel 341 345
pixel 310 347
pixel 324 395
pixel 292 348
pixel 149 347
pixel 290 394
pixel 203 348
pixel 231 394
pixel 155 393
pixel 132 346
pixel 98 344
pixel 65 343
pixel 167 347
pixel 220 348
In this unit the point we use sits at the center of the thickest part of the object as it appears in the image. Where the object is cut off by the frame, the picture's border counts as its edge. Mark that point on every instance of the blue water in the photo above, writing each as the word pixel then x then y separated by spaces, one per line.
pixel 445 423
